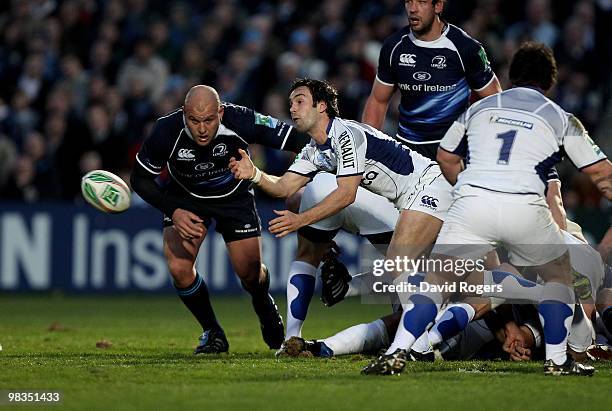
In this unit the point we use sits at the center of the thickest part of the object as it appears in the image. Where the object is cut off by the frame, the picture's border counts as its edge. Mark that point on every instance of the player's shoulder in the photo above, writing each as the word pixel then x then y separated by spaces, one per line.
pixel 462 41
pixel 393 39
pixel 546 108
pixel 354 128
pixel 172 120
pixel 235 109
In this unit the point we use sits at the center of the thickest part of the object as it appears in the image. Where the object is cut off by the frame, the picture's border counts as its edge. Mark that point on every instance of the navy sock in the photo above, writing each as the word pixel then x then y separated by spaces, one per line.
pixel 196 298
pixel 260 296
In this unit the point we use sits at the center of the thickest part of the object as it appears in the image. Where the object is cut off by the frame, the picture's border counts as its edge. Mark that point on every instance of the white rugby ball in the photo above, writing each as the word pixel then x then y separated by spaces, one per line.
pixel 105 191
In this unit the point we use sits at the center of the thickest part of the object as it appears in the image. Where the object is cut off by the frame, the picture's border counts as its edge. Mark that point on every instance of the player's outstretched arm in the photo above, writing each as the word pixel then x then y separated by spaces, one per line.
pixel 601 175
pixel 377 103
pixel 344 195
pixel 281 187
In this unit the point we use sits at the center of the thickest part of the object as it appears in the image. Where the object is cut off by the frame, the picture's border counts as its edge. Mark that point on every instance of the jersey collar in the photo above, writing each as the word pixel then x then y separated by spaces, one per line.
pixel 327 144
pixel 534 88
pixel 418 42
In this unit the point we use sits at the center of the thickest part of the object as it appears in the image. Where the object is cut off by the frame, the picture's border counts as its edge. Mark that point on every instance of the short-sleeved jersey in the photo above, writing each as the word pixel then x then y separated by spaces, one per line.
pixel 512 140
pixel 434 79
pixel 387 167
pixel 202 171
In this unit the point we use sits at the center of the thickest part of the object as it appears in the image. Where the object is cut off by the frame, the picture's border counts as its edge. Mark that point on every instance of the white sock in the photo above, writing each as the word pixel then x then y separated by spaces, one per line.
pixel 360 338
pixel 356 285
pixel 556 313
pixel 300 287
pixel 455 319
pixel 511 287
pixel 419 313
pixel 422 344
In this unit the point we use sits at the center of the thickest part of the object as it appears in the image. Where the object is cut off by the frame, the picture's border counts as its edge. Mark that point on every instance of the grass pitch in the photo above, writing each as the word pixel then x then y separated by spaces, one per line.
pixel 145 362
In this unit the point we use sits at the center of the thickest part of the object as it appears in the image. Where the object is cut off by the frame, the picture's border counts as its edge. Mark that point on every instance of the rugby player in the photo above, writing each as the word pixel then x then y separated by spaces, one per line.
pixel 520 334
pixel 194 143
pixel 358 155
pixel 436 66
pixel 513 139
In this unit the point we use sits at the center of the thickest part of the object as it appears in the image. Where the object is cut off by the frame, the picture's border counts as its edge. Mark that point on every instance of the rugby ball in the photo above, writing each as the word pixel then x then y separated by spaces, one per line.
pixel 105 191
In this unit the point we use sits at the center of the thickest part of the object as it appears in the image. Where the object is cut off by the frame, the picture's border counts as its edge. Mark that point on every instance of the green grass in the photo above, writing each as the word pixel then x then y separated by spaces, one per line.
pixel 150 366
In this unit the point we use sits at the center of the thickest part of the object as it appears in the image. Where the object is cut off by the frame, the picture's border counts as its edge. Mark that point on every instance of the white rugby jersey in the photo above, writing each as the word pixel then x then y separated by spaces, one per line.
pixel 387 167
pixel 511 140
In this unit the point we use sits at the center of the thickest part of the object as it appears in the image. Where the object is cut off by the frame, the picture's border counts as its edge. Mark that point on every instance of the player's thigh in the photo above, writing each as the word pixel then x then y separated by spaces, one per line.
pixel 370 214
pixel 414 233
pixel 181 254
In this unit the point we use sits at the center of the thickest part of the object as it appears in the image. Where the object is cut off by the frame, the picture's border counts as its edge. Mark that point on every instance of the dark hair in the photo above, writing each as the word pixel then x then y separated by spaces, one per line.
pixel 533 65
pixel 321 91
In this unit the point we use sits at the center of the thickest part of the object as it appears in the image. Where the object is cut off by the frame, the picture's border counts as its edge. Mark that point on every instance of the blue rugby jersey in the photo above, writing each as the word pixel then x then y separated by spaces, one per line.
pixel 434 79
pixel 202 171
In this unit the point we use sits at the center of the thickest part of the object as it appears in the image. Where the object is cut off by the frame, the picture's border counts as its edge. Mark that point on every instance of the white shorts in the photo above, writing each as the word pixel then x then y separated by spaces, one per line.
pixel 369 214
pixel 480 220
pixel 430 195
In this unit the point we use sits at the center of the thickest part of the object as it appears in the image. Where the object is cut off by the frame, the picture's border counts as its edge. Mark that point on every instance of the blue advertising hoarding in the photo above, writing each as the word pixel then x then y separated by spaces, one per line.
pixel 78 249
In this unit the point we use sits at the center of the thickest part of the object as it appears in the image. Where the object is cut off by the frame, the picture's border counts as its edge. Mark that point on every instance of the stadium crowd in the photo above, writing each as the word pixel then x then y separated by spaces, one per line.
pixel 81 81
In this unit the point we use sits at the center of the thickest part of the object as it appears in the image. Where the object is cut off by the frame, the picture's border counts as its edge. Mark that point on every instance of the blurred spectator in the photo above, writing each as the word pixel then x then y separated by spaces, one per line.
pixel 146 69
pixel 86 79
pixel 537 25
pixel 21 185
pixel 75 80
pixel 8 156
pixel 32 83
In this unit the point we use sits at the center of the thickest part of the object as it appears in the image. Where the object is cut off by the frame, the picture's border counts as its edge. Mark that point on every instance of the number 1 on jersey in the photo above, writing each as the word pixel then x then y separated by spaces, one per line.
pixel 507 142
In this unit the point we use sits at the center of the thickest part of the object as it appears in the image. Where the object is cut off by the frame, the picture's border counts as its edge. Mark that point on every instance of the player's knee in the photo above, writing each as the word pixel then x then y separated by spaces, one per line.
pixel 182 273
pixel 250 272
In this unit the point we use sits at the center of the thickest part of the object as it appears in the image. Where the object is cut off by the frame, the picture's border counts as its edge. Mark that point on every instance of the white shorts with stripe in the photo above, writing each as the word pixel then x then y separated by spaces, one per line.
pixel 432 194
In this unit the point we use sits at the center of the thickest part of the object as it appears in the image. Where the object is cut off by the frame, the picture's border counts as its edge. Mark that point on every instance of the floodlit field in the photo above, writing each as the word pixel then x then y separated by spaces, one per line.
pixel 49 342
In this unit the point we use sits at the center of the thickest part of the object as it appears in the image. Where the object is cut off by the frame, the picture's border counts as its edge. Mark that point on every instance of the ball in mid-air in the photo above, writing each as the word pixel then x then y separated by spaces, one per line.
pixel 105 191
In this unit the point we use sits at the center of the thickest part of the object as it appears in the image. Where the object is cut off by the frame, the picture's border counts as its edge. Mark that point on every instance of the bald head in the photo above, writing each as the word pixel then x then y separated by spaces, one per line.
pixel 199 97
pixel 203 112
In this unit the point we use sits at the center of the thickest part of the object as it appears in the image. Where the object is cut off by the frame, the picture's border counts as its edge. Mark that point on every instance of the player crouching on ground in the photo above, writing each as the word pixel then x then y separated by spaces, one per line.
pixel 194 143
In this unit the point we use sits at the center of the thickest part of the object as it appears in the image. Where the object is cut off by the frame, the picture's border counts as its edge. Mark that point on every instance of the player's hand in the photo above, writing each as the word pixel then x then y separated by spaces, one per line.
pixel 288 222
pixel 515 343
pixel 520 353
pixel 189 225
pixel 242 169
